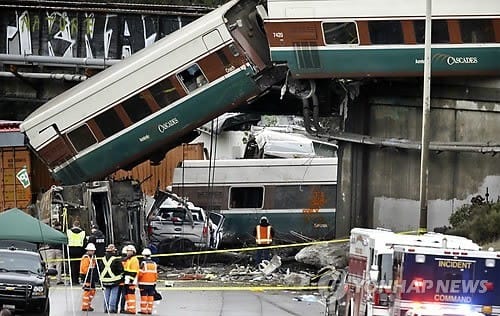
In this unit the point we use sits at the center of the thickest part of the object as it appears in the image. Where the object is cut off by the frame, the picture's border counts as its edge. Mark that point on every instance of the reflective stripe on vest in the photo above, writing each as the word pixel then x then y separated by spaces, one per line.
pixel 263 235
pixel 107 275
pixel 148 273
pixel 76 240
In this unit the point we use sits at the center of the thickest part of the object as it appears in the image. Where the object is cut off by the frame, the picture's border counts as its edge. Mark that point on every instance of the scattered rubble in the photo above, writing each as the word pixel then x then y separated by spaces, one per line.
pixel 304 270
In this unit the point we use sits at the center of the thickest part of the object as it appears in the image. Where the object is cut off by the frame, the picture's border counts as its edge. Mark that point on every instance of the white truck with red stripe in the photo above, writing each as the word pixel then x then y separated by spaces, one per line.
pixel 373 271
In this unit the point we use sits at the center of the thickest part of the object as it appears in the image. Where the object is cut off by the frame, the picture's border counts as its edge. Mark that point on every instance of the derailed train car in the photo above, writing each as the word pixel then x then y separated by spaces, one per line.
pixel 297 195
pixel 152 101
pixel 116 207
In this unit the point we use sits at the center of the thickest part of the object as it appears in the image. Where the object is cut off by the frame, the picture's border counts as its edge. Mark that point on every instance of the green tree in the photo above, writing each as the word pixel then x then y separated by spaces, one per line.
pixel 479 221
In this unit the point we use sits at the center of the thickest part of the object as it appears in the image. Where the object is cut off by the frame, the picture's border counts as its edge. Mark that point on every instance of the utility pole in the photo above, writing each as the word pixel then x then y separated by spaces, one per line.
pixel 426 109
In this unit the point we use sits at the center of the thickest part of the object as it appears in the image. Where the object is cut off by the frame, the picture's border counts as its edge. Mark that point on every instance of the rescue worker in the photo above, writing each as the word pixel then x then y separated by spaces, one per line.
pixel 121 291
pixel 76 240
pixel 98 239
pixel 130 271
pixel 263 234
pixel 148 275
pixel 89 276
pixel 111 276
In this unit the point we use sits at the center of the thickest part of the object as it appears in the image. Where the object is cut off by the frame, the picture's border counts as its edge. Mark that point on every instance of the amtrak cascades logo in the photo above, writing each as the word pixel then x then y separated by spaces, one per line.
pixel 166 125
pixel 461 60
pixel 451 60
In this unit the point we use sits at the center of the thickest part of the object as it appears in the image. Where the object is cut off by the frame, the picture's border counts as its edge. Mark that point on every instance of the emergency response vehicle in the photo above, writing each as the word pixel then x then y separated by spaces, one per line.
pixel 373 272
pixel 445 281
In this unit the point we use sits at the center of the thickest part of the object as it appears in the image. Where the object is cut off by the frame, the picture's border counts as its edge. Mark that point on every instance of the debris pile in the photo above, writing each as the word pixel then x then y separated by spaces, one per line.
pixel 302 271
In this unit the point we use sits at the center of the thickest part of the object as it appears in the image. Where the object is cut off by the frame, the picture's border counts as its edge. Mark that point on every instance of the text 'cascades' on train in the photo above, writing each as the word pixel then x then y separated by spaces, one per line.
pixel 365 38
pixel 152 101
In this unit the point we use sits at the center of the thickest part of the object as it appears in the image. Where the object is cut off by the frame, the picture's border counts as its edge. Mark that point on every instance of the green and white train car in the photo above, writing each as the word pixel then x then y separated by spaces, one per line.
pixel 366 38
pixel 298 195
pixel 150 102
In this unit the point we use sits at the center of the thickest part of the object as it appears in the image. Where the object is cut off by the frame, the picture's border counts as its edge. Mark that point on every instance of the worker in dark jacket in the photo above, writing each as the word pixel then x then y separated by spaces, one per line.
pixel 263 234
pixel 98 239
pixel 111 276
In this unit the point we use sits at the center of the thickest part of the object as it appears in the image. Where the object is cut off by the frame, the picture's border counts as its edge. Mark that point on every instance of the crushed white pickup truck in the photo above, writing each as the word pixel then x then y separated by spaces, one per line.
pixel 175 225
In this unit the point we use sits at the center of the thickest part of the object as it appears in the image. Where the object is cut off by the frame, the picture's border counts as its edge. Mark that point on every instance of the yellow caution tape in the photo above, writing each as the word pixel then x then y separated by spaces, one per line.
pixel 202 252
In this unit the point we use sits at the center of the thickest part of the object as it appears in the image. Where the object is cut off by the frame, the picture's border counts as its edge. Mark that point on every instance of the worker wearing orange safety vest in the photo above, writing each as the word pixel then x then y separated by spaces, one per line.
pixel 263 234
pixel 148 275
pixel 130 271
pixel 89 276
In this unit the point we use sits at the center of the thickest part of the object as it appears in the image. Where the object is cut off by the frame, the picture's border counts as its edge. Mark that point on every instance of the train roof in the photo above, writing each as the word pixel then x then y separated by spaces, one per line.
pixel 324 9
pixel 284 171
pixel 98 83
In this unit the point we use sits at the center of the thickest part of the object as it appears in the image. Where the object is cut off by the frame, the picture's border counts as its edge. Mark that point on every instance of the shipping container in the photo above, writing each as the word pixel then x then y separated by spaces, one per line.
pixel 17 162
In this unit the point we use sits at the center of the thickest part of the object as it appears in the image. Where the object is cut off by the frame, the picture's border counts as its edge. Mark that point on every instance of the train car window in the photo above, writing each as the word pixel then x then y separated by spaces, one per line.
pixel 340 33
pixel 164 92
pixel 136 107
pixel 109 123
pixel 440 32
pixel 477 31
pixel 192 78
pixel 82 137
pixel 246 197
pixel 386 32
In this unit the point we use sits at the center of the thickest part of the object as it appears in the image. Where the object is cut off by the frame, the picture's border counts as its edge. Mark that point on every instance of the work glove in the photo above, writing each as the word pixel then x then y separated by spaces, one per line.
pixel 129 279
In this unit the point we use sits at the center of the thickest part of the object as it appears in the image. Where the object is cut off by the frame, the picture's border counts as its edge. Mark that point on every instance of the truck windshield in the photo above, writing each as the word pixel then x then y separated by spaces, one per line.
pixel 20 262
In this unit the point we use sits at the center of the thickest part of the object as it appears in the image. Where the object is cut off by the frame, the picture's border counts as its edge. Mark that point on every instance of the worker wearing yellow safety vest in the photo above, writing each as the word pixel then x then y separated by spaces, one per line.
pixel 148 275
pixel 76 242
pixel 111 276
pixel 131 269
pixel 263 234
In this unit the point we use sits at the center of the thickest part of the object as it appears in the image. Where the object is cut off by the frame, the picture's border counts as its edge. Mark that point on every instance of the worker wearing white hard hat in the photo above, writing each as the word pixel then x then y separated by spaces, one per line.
pixel 90 247
pixel 131 269
pixel 89 276
pixel 148 275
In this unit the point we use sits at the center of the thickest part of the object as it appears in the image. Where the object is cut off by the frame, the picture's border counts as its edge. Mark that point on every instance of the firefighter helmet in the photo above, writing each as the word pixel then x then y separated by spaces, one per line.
pixel 90 246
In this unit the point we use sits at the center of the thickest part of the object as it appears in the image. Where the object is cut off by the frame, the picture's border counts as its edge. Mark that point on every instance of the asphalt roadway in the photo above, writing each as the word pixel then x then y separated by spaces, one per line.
pixel 204 302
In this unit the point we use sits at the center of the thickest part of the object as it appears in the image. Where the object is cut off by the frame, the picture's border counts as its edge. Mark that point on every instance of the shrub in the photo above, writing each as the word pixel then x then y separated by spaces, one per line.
pixel 479 221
